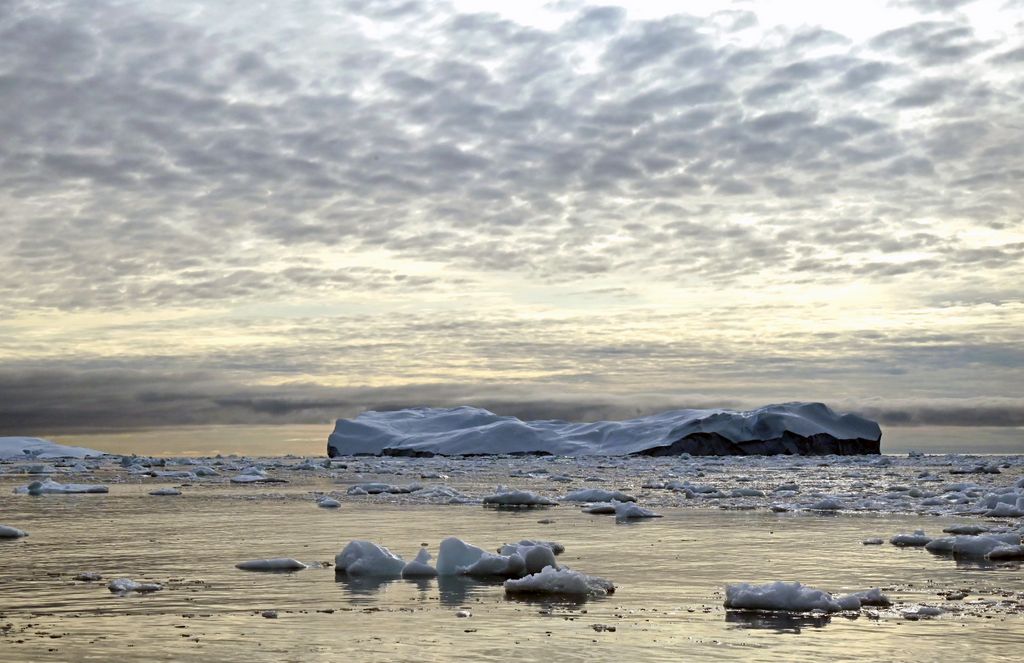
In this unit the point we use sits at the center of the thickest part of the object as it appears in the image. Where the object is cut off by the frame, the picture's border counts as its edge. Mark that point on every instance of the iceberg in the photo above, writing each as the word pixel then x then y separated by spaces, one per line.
pixel 789 428
pixel 560 582
pixel 21 448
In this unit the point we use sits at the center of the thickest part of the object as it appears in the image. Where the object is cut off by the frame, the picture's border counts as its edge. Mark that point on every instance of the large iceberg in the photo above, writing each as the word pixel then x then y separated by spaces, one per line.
pixel 789 428
pixel 20 448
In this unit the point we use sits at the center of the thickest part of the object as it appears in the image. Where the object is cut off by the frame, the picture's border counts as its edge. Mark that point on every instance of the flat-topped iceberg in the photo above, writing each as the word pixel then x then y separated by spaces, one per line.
pixel 790 428
pixel 20 448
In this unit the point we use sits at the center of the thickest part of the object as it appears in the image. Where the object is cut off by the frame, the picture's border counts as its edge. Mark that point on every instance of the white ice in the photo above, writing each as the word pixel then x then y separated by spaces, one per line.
pixel 917 539
pixel 419 567
pixel 784 596
pixel 560 582
pixel 34 447
pixel 50 487
pixel 125 585
pixel 508 497
pixel 597 495
pixel 364 558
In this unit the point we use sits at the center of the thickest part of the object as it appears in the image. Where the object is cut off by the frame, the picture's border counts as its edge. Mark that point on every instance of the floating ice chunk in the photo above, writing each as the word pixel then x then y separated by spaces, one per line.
pixel 827 504
pixel 922 611
pixel 328 503
pixel 535 556
pixel 165 492
pixel 374 488
pixel 125 585
pixel 917 539
pixel 273 564
pixel 173 474
pixel 363 558
pixel 601 508
pixel 508 497
pixel 783 596
pixel 204 471
pixel 965 529
pixel 1004 510
pixel 967 545
pixel 254 475
pixel 88 576
pixel 560 582
pixel 456 557
pixel 50 487
pixel 870 597
pixel 1006 552
pixel 509 548
pixel 627 511
pixel 7 532
pixel 24 448
pixel 597 495
pixel 874 541
pixel 419 567
pixel 445 493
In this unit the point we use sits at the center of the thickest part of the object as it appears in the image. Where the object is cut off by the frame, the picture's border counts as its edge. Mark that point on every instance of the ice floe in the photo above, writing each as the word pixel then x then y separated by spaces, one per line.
pixel 50 487
pixel 165 492
pixel 512 498
pixel 560 582
pixel 272 564
pixel 419 567
pixel 126 585
pixel 8 532
pixel 597 495
pixel 795 597
pixel 364 558
pixel 34 447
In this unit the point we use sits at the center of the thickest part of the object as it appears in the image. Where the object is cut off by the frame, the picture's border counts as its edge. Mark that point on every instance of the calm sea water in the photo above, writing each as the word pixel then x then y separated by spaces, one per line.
pixel 670 574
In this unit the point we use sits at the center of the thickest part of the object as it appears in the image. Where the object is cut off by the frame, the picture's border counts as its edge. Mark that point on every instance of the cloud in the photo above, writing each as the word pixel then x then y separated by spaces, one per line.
pixel 390 193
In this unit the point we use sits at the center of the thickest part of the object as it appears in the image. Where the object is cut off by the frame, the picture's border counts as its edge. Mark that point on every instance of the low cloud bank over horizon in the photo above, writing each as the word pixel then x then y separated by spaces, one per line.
pixel 59 402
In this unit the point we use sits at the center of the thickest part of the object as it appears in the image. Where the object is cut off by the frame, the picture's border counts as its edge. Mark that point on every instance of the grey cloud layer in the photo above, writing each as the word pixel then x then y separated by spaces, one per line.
pixel 144 148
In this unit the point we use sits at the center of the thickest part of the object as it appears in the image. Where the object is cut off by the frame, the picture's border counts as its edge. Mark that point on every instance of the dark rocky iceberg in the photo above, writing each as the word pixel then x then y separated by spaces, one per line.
pixel 804 429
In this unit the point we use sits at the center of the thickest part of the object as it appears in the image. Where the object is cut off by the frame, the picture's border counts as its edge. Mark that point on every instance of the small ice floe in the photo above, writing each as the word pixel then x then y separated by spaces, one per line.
pixel 272 564
pixel 125 585
pixel 419 567
pixel 506 497
pixel 915 540
pixel 873 541
pixel 509 548
pixel 434 475
pixel 597 495
pixel 363 558
pixel 1007 552
pixel 600 508
pixel 378 488
pixel 7 532
pixel 204 471
pixel 173 474
pixel 746 492
pixel 456 557
pixel 326 502
pixel 966 529
pixel 869 597
pixel 50 487
pixel 627 511
pixel 920 611
pixel 827 504
pixel 255 475
pixel 1004 510
pixel 165 492
pixel 269 614
pixel 88 576
pixel 782 596
pixel 967 545
pixel 553 581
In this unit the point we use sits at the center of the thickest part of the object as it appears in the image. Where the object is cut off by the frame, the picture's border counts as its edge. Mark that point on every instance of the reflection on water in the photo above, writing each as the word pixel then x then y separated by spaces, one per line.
pixel 779 622
pixel 670 573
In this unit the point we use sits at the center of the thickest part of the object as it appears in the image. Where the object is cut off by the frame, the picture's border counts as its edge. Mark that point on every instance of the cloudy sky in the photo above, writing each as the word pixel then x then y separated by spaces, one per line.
pixel 285 212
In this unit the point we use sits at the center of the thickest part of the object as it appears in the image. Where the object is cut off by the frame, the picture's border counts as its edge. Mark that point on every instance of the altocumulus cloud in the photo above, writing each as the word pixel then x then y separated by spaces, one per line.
pixel 215 212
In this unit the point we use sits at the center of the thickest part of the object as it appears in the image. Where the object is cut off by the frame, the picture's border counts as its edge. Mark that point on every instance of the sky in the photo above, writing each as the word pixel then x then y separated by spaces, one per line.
pixel 288 212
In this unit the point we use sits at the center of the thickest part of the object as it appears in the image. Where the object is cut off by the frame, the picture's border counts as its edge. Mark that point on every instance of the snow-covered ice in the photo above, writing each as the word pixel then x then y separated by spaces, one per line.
pixel 470 430
pixel 783 596
pixel 560 582
pixel 508 497
pixel 34 447
pixel 50 487
pixel 364 558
